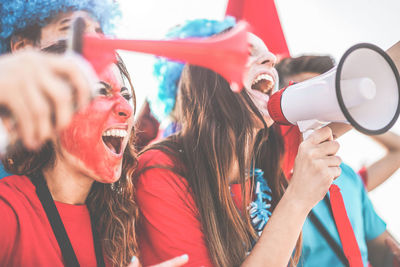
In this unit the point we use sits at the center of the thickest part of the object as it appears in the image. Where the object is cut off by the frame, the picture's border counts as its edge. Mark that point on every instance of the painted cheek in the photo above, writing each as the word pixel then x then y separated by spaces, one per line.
pixel 83 139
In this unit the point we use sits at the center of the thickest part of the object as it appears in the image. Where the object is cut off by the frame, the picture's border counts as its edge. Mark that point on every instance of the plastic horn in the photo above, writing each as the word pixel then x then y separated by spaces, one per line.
pixel 225 54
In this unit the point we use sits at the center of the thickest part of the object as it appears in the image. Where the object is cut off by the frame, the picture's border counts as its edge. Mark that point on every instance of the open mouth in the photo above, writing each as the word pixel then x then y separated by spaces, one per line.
pixel 113 139
pixel 263 83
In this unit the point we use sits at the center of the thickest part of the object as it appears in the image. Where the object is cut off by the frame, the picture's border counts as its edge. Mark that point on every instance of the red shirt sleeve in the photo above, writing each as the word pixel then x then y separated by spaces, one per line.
pixel 364 175
pixel 8 230
pixel 169 224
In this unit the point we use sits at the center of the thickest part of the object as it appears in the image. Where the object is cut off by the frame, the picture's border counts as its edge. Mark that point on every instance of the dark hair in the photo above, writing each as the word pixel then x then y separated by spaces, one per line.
pixel 292 66
pixel 217 126
pixel 111 206
pixel 32 33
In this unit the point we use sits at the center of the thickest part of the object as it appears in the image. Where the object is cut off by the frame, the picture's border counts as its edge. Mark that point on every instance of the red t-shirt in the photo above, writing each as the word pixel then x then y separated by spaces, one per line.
pixel 169 219
pixel 292 139
pixel 26 237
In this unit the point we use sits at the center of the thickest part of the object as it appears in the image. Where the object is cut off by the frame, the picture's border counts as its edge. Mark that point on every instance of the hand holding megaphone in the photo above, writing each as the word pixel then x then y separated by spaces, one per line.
pixel 363 90
pixel 315 168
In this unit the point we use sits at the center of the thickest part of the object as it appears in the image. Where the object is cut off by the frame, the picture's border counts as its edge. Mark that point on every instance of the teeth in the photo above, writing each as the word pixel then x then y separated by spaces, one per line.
pixel 116 133
pixel 263 77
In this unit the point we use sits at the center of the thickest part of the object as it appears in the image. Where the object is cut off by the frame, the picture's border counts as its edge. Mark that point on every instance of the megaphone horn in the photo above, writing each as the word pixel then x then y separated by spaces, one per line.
pixel 363 90
pixel 225 54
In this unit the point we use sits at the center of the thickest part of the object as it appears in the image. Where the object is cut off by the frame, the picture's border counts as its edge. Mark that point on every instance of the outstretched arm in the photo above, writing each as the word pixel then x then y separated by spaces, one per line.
pixel 394 53
pixel 381 170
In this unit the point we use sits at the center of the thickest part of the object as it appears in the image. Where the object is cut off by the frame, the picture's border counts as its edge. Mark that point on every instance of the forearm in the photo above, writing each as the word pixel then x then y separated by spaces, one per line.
pixel 389 141
pixel 394 53
pixel 381 257
pixel 380 253
pixel 339 128
pixel 381 170
pixel 276 244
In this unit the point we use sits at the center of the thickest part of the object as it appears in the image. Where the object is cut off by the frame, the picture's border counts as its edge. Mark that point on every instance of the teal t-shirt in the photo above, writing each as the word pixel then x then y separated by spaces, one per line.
pixel 367 225
pixel 3 173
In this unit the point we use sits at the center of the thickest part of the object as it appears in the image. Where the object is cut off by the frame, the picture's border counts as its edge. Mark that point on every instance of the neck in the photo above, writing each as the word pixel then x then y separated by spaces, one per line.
pixel 67 186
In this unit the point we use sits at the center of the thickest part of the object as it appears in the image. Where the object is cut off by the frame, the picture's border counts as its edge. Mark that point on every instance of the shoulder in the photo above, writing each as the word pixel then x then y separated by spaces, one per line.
pixel 17 195
pixel 350 176
pixel 155 157
pixel 157 171
pixel 16 186
pixel 157 180
pixel 347 170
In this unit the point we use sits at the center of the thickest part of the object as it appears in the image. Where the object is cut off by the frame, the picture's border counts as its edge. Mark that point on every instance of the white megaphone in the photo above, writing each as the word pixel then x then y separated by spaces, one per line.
pixel 363 90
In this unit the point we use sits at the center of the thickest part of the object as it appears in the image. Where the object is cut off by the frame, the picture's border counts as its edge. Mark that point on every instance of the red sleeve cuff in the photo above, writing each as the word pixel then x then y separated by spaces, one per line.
pixel 363 174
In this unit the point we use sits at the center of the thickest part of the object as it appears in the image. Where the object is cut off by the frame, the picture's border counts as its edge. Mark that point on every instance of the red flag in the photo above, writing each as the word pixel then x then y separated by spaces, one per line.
pixel 264 21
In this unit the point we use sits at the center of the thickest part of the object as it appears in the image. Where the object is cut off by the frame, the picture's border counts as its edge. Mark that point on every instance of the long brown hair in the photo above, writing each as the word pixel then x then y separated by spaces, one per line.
pixel 217 129
pixel 111 206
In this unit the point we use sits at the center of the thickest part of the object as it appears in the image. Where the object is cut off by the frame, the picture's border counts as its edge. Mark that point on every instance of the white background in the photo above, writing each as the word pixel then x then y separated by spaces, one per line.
pixel 312 26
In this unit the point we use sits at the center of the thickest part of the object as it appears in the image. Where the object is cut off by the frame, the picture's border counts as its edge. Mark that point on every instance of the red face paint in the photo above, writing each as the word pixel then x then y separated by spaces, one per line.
pixel 109 115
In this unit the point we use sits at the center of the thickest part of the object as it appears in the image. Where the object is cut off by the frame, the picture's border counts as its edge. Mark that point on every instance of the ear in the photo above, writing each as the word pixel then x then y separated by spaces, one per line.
pixel 17 43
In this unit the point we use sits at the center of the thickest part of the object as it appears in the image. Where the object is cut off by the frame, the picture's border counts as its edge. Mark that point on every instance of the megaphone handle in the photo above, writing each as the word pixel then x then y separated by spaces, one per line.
pixel 307 133
pixel 309 126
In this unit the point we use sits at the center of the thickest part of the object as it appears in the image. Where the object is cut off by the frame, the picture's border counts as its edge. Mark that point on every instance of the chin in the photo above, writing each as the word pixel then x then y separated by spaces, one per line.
pixel 109 178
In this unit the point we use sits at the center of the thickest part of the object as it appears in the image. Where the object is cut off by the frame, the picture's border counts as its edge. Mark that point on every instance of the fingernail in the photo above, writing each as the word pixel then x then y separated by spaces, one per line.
pixel 185 257
pixel 134 258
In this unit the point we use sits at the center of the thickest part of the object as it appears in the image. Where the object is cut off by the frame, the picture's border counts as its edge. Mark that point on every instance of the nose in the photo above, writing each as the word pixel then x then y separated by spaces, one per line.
pixel 122 109
pixel 267 59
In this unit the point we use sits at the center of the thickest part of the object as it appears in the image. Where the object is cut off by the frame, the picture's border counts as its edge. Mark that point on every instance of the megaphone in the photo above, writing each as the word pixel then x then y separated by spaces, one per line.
pixel 225 54
pixel 363 90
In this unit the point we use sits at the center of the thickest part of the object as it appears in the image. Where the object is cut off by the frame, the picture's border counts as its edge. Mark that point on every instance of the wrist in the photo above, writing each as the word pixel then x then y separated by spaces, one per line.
pixel 293 199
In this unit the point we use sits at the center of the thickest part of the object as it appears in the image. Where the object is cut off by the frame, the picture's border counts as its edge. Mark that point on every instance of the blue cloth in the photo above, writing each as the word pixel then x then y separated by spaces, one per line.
pixel 367 225
pixel 3 173
pixel 168 72
pixel 16 15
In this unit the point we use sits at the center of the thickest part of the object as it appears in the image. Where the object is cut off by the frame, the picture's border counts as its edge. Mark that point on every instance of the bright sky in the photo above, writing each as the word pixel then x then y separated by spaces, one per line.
pixel 311 26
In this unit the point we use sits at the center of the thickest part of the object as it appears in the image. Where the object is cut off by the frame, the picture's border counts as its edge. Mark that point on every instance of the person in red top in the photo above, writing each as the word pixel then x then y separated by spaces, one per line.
pixel 76 167
pixel 183 183
pixel 70 201
pixel 82 171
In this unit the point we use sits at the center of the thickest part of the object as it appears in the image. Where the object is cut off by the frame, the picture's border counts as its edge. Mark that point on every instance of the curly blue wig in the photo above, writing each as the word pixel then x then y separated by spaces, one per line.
pixel 168 72
pixel 17 15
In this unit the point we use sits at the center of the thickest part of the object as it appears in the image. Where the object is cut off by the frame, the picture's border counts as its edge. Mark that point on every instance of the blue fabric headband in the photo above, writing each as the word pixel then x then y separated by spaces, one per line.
pixel 16 15
pixel 168 72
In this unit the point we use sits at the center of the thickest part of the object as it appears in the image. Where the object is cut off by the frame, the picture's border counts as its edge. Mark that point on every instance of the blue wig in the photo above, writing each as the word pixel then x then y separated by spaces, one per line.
pixel 168 72
pixel 17 15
